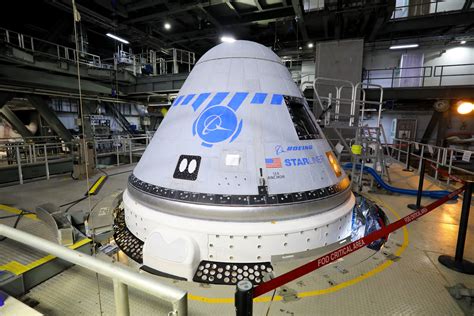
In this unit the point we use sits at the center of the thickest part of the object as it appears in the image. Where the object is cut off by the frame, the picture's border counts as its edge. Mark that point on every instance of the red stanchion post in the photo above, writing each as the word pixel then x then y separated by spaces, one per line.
pixel 458 263
pixel 420 187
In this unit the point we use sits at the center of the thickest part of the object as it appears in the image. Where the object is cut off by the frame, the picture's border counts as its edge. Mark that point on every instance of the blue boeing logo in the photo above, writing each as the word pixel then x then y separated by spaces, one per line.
pixel 218 123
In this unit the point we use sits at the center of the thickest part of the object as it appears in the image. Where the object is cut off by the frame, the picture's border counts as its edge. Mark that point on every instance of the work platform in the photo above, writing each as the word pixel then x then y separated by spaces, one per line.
pixel 403 278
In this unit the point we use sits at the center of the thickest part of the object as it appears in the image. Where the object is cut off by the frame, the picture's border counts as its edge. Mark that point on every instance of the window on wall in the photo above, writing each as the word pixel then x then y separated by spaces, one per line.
pixel 304 125
pixel 125 109
pixel 401 9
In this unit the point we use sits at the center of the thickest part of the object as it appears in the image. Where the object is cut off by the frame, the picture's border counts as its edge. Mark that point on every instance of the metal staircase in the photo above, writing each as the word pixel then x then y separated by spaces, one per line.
pixel 371 154
pixel 343 111
pixel 121 119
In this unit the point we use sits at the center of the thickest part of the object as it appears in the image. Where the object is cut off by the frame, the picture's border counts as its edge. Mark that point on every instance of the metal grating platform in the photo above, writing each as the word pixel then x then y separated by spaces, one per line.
pixel 13 251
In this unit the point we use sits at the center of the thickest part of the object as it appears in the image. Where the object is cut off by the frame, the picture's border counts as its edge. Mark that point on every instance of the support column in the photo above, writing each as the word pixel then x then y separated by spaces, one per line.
pixel 11 117
pixel 50 117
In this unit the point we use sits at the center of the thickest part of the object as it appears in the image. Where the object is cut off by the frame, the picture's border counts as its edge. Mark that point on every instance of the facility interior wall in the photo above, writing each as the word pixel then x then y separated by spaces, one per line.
pixel 307 69
pixel 388 59
pixel 423 118
pixel 341 60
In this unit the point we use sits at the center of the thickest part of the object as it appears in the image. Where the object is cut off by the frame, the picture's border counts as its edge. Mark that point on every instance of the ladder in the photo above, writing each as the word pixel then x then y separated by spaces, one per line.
pixel 372 154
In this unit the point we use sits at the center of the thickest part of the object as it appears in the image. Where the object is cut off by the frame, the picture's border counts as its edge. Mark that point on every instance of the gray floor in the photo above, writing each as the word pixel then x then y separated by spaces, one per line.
pixel 404 278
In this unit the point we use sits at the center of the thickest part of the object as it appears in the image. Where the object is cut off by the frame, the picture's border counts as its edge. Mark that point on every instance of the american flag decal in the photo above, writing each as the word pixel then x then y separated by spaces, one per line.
pixel 273 162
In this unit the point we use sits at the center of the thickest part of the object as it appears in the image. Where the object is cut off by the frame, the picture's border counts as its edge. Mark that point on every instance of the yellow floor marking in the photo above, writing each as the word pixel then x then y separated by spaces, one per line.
pixel 18 268
pixel 332 289
pixel 13 210
pixel 94 187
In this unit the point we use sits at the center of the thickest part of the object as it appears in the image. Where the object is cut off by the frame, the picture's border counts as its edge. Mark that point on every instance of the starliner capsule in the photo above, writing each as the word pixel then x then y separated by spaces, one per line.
pixel 238 173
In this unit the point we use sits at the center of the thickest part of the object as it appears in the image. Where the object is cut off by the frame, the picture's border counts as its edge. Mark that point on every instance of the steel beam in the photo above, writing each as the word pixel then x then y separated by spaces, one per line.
pixel 36 79
pixel 11 117
pixel 232 8
pixel 375 29
pixel 50 117
pixel 160 15
pixel 209 16
pixel 467 5
pixel 299 13
pixel 114 6
pixel 4 98
pixel 143 4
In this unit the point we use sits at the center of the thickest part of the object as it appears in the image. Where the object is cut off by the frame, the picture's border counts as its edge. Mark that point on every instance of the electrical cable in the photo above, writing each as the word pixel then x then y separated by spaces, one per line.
pixel 74 202
pixel 103 171
pixel 114 174
pixel 15 215
pixel 271 301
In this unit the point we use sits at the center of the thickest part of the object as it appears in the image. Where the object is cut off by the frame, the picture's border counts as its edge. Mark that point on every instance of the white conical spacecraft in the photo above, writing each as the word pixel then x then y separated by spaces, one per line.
pixel 237 172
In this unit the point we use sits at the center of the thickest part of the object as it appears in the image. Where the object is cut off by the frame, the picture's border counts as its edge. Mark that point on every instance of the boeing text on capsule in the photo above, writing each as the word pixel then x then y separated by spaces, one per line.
pixel 279 149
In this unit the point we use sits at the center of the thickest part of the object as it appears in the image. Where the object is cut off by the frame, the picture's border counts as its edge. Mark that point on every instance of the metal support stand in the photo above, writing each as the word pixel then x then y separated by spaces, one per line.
pixel 458 263
pixel 407 167
pixel 244 298
pixel 122 307
pixel 420 187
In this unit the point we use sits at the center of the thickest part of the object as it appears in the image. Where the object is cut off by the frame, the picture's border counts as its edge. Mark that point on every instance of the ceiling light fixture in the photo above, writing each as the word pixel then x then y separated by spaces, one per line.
pixel 167 26
pixel 228 39
pixel 404 46
pixel 463 42
pixel 115 37
pixel 310 45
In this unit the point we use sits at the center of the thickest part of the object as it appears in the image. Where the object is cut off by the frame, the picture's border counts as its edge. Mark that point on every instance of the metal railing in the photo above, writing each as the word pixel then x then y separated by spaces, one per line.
pixel 23 154
pixel 426 8
pixel 428 76
pixel 379 75
pixel 172 62
pixel 438 156
pixel 338 109
pixel 439 71
pixel 33 152
pixel 121 275
pixel 120 146
pixel 50 49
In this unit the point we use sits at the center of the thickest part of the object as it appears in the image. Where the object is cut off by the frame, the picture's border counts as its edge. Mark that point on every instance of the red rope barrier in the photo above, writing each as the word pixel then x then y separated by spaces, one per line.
pixel 446 174
pixel 349 248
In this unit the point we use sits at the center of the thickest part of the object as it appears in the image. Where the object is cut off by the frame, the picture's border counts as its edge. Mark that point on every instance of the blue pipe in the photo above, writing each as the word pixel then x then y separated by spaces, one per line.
pixel 432 194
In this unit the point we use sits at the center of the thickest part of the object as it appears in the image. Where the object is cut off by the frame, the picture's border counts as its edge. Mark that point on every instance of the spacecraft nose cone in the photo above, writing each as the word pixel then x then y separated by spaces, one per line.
pixel 240 49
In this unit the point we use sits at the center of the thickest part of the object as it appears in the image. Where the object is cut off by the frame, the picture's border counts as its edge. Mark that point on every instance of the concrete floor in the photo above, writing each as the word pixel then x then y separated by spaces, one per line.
pixel 403 278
